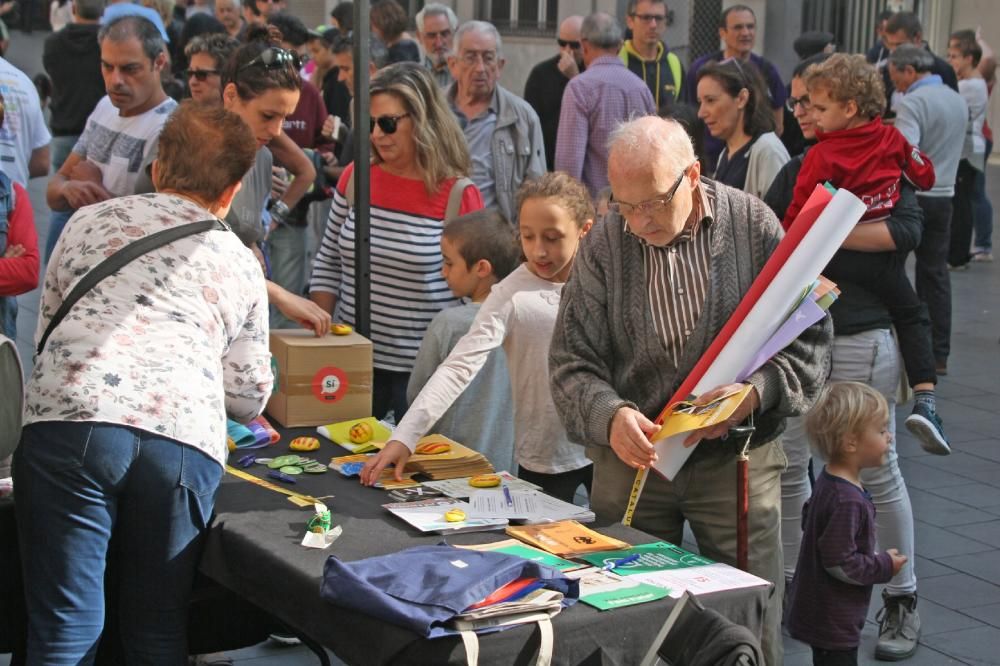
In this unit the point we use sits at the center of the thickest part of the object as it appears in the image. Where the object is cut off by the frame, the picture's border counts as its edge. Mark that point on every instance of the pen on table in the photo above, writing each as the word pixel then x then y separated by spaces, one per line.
pixel 506 496
pixel 614 564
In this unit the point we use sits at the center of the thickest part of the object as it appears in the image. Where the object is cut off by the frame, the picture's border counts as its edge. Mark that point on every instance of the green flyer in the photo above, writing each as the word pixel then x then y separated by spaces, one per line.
pixel 624 596
pixel 657 556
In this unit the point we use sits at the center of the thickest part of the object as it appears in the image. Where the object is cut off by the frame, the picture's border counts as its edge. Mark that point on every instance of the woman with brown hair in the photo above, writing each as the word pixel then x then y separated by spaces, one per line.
pixel 419 157
pixel 389 24
pixel 733 104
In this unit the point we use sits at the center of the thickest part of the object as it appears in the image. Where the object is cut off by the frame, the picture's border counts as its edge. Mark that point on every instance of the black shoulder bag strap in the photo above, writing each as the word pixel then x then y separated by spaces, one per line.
pixel 115 262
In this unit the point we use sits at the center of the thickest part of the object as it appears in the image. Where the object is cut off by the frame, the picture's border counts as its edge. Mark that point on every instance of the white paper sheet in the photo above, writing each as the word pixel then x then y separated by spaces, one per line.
pixel 716 577
pixel 804 265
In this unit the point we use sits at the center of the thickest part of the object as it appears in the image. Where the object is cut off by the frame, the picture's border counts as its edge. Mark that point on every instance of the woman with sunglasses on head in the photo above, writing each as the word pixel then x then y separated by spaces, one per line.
pixel 418 156
pixel 733 104
pixel 259 83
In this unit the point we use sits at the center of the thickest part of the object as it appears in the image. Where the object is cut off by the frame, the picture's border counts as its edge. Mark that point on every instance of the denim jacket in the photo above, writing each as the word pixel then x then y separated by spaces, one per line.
pixel 518 149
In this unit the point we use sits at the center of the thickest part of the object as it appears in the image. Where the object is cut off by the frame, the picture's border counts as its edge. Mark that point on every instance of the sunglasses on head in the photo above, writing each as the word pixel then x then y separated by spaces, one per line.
pixel 563 43
pixel 388 124
pixel 201 74
pixel 273 57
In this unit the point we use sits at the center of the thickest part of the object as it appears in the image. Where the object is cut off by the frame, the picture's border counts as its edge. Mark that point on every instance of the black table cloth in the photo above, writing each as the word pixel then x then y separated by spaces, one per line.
pixel 253 548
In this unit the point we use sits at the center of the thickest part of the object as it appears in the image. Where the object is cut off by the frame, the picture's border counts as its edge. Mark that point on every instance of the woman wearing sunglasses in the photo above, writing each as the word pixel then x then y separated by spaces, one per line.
pixel 733 104
pixel 418 154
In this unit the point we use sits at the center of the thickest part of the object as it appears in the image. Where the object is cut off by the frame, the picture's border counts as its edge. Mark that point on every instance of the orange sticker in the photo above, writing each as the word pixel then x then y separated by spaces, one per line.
pixel 329 384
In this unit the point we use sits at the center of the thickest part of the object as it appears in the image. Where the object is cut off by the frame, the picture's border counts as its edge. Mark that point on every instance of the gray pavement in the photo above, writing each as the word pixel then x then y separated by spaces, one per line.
pixel 956 499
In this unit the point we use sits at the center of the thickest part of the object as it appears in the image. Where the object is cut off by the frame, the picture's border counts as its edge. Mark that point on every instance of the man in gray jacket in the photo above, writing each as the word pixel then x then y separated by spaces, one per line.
pixel 932 117
pixel 650 289
pixel 502 130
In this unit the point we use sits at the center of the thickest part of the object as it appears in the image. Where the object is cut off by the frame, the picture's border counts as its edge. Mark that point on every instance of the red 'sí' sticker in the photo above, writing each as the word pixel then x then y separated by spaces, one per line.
pixel 329 384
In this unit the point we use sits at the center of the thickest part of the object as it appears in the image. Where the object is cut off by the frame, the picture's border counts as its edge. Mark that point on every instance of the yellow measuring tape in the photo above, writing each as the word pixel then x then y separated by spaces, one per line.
pixel 633 498
pixel 295 498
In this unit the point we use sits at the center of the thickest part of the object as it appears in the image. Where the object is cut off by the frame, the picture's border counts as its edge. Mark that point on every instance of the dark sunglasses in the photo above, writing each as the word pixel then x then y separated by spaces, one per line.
pixel 201 74
pixel 273 57
pixel 388 124
pixel 564 43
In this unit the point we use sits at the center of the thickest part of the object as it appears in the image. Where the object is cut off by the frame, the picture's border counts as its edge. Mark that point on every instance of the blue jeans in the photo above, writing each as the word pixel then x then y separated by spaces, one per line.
pixel 57 222
pixel 83 486
pixel 983 210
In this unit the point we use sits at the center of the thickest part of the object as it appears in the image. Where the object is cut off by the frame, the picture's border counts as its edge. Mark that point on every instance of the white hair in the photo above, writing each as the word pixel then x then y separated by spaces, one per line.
pixel 436 9
pixel 483 28
pixel 651 140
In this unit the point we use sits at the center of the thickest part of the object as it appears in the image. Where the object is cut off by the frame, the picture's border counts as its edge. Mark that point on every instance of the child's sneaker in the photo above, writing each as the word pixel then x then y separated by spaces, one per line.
pixel 926 426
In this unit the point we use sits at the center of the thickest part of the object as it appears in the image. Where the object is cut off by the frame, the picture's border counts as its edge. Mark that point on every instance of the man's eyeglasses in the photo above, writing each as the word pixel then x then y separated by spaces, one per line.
pixel 803 101
pixel 273 57
pixel 388 124
pixel 443 34
pixel 650 206
pixel 201 74
pixel 563 43
pixel 472 57
pixel 650 18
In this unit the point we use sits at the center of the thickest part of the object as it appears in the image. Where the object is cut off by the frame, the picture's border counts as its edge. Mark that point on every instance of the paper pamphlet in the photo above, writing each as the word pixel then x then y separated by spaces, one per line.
pixel 606 591
pixel 716 577
pixel 657 556
pixel 460 487
pixel 686 417
pixel 428 516
pixel 495 504
pixel 523 550
pixel 565 538
pixel 665 565
pixel 527 506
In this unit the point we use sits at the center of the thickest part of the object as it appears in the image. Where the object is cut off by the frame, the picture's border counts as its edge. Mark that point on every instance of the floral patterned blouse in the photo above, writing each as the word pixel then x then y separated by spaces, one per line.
pixel 170 344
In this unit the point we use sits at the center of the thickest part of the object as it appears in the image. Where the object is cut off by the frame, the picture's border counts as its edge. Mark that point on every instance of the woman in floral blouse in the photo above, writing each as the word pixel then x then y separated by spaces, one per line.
pixel 125 435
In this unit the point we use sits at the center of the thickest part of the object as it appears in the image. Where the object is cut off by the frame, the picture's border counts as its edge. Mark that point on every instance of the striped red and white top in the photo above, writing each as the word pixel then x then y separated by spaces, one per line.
pixel 407 288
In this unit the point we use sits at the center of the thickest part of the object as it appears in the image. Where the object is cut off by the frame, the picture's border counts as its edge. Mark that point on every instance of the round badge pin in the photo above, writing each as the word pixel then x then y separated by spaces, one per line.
pixel 291 470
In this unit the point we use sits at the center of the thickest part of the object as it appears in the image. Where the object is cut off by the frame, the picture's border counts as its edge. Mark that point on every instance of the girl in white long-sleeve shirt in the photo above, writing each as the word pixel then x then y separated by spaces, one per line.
pixel 519 314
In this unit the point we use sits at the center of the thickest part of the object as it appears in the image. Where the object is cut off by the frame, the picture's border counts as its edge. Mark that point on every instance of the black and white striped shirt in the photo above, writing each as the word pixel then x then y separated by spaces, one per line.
pixel 407 288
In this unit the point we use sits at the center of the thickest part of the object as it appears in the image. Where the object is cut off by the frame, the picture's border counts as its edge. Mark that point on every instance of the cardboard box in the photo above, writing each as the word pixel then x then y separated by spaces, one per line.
pixel 320 380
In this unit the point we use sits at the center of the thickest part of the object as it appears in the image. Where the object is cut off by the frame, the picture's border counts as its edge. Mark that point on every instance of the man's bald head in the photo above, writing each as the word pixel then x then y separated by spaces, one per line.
pixel 569 29
pixel 654 176
pixel 648 143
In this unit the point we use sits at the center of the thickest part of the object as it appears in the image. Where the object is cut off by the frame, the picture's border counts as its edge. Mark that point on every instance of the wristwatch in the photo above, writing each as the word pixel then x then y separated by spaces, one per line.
pixel 280 209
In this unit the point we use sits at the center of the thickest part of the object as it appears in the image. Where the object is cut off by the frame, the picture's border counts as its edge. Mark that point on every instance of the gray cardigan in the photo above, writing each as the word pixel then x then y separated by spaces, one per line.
pixel 606 353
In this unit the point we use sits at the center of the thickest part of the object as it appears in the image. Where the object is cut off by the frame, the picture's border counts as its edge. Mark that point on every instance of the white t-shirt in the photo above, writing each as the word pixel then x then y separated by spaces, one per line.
pixel 24 129
pixel 119 146
pixel 519 314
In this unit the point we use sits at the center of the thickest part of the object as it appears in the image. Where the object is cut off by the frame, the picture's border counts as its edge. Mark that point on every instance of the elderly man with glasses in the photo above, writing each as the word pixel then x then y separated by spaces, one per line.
pixel 502 131
pixel 651 288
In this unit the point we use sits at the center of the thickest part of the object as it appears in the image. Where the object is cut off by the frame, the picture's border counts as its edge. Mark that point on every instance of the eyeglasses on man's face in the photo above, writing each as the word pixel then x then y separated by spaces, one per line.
pixel 650 18
pixel 388 124
pixel 803 101
pixel 470 58
pixel 651 206
pixel 563 43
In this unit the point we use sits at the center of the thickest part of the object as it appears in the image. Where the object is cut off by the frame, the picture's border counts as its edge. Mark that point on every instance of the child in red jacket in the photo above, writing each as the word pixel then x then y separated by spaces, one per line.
pixel 856 152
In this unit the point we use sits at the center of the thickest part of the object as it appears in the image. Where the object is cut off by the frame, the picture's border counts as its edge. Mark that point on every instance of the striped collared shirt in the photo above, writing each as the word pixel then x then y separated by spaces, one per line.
pixel 677 277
